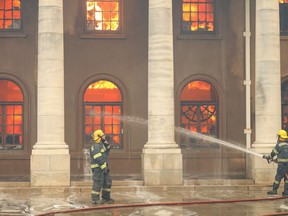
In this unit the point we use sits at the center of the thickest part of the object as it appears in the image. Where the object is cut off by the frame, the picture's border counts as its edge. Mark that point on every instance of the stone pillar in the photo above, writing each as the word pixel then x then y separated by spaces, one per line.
pixel 268 87
pixel 161 158
pixel 50 159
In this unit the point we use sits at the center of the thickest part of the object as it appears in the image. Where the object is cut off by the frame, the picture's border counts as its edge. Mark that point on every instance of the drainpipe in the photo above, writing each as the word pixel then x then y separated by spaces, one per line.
pixel 247 81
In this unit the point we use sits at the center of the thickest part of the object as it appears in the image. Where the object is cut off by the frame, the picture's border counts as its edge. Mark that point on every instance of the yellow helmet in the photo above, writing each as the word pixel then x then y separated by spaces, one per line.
pixel 282 134
pixel 98 135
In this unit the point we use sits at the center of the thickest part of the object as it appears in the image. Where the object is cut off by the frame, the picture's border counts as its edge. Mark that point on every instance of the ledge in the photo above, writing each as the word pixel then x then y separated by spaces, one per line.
pixel 103 36
pixel 13 35
pixel 199 37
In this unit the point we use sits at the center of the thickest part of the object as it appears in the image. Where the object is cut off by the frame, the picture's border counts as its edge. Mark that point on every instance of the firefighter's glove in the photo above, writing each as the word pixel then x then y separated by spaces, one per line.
pixel 267 157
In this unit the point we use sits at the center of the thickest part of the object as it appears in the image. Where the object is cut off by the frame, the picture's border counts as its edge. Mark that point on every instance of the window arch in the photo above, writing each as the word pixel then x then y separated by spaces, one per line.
pixel 103 110
pixel 11 115
pixel 199 112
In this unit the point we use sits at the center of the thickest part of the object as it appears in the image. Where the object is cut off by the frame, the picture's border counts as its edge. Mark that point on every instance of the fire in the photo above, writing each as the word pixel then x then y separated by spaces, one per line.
pixel 10 14
pixel 103 15
pixel 199 85
pixel 199 13
pixel 102 91
pixel 103 84
pixel 283 1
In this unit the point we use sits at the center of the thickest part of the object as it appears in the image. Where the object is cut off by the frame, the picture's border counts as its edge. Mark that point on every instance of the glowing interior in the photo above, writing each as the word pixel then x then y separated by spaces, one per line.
pixel 103 110
pixel 199 14
pixel 11 112
pixel 10 14
pixel 102 15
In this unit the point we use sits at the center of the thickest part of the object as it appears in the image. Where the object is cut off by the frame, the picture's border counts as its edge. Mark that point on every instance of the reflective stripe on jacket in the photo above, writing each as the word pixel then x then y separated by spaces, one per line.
pixel 98 156
pixel 281 150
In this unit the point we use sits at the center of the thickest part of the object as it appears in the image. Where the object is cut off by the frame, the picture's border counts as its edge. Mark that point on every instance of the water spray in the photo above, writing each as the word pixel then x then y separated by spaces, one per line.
pixel 215 140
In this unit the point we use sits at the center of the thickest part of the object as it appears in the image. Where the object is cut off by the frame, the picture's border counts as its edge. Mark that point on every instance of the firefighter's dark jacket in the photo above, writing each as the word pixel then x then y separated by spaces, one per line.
pixel 281 150
pixel 99 155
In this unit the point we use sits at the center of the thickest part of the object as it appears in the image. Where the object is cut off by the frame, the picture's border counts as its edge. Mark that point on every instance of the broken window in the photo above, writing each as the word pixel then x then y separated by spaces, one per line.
pixel 11 116
pixel 103 110
pixel 103 16
pixel 199 112
pixel 198 16
pixel 283 12
pixel 10 14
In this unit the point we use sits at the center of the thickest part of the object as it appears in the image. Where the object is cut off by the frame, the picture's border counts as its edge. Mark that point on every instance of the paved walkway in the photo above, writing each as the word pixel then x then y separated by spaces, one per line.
pixel 220 200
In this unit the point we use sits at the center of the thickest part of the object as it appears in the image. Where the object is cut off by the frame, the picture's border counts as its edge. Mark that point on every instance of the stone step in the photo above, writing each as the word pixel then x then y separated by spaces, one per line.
pixel 219 182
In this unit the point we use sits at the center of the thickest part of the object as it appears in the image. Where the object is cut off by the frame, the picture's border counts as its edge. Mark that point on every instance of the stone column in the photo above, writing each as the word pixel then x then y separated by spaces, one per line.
pixel 161 158
pixel 268 87
pixel 50 159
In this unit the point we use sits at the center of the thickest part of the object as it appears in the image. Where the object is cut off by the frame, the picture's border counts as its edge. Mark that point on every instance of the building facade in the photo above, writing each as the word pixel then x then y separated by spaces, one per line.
pixel 142 71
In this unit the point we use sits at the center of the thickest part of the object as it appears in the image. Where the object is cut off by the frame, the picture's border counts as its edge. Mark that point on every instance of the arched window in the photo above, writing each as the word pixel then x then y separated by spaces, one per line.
pixel 284 100
pixel 199 112
pixel 103 110
pixel 11 115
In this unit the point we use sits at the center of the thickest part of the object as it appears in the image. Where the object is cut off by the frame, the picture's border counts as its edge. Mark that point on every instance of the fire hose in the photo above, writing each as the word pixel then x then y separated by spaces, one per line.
pixel 134 205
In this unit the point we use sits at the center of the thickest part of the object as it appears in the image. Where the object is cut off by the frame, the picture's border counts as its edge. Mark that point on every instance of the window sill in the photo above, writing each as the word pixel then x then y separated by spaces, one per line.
pixel 103 36
pixel 12 35
pixel 199 37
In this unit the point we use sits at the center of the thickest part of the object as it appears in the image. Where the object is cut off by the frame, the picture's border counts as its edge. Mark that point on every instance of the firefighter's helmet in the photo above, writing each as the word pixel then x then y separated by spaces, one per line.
pixel 282 134
pixel 98 135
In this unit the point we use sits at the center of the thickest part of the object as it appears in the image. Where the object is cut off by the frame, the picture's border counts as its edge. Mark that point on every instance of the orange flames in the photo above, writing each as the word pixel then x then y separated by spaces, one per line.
pixel 10 14
pixel 283 1
pixel 200 14
pixel 103 15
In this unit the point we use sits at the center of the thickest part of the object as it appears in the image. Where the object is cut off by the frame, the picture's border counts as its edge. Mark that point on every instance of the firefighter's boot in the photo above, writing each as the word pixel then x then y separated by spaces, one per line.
pixel 96 200
pixel 106 199
pixel 272 192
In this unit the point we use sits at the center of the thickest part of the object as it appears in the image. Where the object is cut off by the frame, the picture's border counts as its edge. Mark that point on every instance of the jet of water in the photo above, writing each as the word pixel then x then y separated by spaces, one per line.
pixel 215 140
pixel 141 121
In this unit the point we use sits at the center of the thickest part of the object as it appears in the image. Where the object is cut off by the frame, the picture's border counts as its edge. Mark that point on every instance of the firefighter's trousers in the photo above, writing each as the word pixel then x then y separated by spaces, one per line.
pixel 282 171
pixel 102 181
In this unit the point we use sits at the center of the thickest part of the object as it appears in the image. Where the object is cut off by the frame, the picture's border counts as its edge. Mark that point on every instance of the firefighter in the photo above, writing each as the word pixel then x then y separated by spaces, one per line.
pixel 281 151
pixel 100 168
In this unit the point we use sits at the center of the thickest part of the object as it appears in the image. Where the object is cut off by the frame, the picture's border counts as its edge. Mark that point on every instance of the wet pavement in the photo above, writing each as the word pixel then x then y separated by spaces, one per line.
pixel 133 199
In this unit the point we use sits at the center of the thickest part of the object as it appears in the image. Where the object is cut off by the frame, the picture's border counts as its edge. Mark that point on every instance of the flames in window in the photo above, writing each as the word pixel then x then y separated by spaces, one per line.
pixel 102 15
pixel 10 14
pixel 199 110
pixel 11 115
pixel 283 1
pixel 102 110
pixel 198 15
pixel 102 91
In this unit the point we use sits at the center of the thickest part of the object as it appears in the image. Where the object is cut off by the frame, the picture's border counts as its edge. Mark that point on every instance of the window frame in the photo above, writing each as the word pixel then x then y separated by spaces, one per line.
pixel 102 106
pixel 103 33
pixel 9 147
pixel 198 144
pixel 3 30
pixel 200 33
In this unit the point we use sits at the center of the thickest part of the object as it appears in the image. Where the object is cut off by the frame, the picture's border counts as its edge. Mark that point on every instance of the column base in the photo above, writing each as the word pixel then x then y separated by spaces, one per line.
pixel 258 168
pixel 50 169
pixel 162 167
